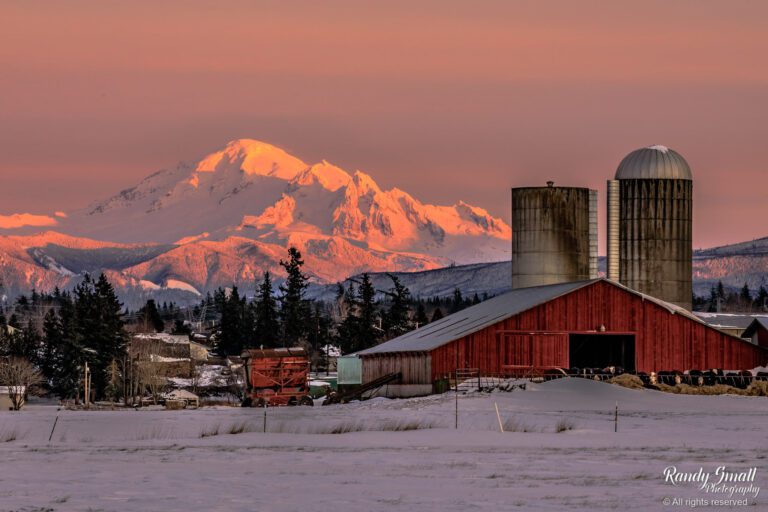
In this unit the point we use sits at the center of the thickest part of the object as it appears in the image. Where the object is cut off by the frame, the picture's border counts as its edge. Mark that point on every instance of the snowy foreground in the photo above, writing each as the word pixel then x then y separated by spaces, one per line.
pixel 188 460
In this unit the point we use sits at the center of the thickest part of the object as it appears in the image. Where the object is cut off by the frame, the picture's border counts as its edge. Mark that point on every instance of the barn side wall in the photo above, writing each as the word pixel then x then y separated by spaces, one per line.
pixel 663 341
pixel 762 337
pixel 415 367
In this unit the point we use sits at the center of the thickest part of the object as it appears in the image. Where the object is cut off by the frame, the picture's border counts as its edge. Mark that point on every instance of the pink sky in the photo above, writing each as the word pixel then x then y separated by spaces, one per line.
pixel 448 100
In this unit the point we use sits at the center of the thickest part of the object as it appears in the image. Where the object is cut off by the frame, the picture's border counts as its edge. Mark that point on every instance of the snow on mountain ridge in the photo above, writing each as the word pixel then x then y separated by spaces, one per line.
pixel 252 157
pixel 327 175
pixel 231 215
pixel 251 188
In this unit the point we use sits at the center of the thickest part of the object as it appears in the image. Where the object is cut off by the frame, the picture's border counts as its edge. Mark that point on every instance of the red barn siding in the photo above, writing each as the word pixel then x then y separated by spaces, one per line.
pixel 663 341
pixel 762 337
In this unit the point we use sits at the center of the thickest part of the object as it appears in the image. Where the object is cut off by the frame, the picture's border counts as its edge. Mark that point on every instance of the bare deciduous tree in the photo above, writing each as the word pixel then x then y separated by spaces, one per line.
pixel 19 376
pixel 149 372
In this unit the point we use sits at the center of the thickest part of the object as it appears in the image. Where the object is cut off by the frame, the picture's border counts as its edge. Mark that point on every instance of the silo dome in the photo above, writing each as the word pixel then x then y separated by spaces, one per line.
pixel 654 162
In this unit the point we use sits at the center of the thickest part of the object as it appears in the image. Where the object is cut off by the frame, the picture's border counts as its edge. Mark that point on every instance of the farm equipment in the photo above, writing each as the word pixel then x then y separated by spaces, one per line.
pixel 359 391
pixel 278 376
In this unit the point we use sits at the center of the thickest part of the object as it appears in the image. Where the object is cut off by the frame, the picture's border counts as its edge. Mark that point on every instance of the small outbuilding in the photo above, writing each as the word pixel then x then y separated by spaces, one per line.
pixel 11 394
pixel 588 324
pixel 183 397
pixel 757 331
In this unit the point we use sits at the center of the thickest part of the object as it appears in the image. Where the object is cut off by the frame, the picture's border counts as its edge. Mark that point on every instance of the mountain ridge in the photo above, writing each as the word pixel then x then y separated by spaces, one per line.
pixel 232 215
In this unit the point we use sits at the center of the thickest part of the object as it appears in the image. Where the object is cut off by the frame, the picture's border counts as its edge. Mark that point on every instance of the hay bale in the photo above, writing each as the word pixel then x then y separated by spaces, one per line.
pixel 627 380
pixel 758 388
pixel 717 389
pixel 667 388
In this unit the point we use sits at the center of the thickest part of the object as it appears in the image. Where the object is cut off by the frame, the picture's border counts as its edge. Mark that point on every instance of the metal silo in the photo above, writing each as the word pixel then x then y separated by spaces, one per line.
pixel 650 245
pixel 554 235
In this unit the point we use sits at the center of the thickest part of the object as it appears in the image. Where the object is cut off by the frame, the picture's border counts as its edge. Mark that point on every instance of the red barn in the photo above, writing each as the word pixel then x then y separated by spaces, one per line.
pixel 587 324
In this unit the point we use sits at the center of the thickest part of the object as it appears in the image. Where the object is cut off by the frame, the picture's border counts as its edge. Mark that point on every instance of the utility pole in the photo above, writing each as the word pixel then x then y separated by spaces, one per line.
pixel 86 382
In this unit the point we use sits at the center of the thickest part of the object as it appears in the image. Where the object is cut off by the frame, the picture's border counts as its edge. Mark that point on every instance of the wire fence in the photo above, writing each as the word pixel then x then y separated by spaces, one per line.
pixel 514 377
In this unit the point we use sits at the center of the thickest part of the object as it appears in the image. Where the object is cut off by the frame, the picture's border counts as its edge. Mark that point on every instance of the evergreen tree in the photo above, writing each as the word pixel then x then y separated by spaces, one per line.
pixel 99 329
pixel 28 343
pixel 347 331
pixel 713 300
pixel 762 298
pixel 458 301
pixel 294 309
pixel 64 336
pixel 437 314
pixel 319 335
pixel 179 327
pixel 368 333
pixel 397 318
pixel 421 315
pixel 267 321
pixel 51 339
pixel 746 297
pixel 234 328
pixel 150 319
pixel 721 290
pixel 110 338
pixel 358 329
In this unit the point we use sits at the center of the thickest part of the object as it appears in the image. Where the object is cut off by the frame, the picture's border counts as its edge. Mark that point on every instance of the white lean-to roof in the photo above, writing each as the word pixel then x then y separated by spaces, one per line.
pixel 731 320
pixel 491 311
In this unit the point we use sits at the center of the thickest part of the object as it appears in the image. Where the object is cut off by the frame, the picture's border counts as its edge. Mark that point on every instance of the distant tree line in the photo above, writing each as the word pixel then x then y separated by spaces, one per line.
pixel 354 321
pixel 59 332
pixel 722 300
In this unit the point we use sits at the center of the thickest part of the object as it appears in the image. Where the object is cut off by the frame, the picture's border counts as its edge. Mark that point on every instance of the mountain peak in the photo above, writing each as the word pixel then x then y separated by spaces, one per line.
pixel 253 157
pixel 365 183
pixel 328 175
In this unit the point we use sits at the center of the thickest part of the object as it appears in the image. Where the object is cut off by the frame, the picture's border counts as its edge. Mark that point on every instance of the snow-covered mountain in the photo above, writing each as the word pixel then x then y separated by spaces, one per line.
pixel 257 191
pixel 231 216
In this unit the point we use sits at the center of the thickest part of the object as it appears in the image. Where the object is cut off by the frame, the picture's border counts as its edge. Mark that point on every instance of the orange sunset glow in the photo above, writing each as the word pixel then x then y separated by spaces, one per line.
pixel 448 100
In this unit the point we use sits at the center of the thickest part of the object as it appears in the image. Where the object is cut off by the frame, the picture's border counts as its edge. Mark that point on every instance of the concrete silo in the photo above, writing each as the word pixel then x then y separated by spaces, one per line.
pixel 554 235
pixel 650 245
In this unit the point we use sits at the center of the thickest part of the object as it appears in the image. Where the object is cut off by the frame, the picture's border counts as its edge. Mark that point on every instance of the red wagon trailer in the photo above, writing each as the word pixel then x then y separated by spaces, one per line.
pixel 278 376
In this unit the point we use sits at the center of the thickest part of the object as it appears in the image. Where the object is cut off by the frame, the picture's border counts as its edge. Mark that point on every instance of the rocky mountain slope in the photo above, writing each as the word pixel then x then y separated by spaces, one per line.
pixel 734 265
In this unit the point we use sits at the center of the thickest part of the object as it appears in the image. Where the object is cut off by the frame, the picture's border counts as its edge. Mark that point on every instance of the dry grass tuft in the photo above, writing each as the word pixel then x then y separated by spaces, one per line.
pixel 210 431
pixel 564 425
pixel 347 427
pixel 512 425
pixel 8 436
pixel 241 427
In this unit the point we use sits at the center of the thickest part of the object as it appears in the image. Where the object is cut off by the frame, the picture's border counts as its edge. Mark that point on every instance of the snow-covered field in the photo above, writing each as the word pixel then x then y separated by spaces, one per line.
pixel 187 460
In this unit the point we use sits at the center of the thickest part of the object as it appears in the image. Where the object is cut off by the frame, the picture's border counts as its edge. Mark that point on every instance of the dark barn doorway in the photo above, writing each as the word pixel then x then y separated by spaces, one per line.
pixel 602 350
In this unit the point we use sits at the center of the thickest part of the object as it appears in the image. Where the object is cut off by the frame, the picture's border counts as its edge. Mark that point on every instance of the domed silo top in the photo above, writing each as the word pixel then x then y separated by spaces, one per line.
pixel 654 163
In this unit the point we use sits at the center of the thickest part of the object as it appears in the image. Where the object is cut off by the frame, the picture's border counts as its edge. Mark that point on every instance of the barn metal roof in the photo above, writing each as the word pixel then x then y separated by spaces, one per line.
pixel 474 318
pixel 491 311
